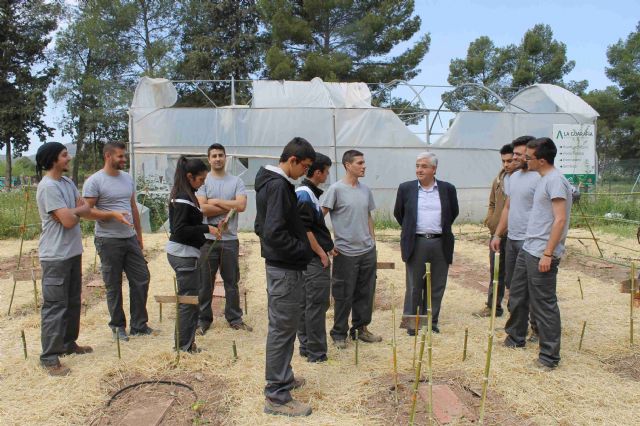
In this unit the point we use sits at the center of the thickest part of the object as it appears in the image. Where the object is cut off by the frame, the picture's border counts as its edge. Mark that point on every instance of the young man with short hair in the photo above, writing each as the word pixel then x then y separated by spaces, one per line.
pixel 315 296
pixel 519 188
pixel 220 194
pixel 350 204
pixel 110 193
pixel 534 279
pixel 60 250
pixel 497 199
pixel 284 245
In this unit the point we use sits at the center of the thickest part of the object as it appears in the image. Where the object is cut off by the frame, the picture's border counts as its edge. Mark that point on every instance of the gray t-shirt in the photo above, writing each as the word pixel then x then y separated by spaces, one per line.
pixel 113 193
pixel 57 242
pixel 551 186
pixel 225 188
pixel 350 207
pixel 520 188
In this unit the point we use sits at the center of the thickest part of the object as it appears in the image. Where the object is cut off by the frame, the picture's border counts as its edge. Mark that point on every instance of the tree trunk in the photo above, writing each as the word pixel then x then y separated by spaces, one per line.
pixel 8 173
pixel 79 143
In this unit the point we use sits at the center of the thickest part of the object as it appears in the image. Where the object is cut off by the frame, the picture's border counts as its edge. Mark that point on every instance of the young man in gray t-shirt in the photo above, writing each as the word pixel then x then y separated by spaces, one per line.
pixel 534 278
pixel 60 249
pixel 110 193
pixel 350 204
pixel 220 194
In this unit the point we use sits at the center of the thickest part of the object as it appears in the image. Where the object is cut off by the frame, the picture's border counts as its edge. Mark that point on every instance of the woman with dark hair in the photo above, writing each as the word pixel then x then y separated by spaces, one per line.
pixel 187 236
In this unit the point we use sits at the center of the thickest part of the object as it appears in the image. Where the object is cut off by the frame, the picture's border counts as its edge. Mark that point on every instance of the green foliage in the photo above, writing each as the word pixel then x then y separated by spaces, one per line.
pixel 22 166
pixel 385 220
pixel 539 58
pixel 342 40
pixel 219 40
pixel 153 195
pixel 95 53
pixel 25 72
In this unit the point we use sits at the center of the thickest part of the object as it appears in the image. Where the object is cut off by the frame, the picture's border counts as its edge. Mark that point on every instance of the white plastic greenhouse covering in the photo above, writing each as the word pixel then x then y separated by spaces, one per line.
pixel 334 117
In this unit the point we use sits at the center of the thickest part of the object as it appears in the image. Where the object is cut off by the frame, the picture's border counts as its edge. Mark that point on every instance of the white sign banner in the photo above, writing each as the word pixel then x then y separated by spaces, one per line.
pixel 576 145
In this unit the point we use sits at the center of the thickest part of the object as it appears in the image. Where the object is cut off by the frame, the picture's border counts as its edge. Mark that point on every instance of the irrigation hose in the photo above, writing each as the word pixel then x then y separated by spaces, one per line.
pixel 152 382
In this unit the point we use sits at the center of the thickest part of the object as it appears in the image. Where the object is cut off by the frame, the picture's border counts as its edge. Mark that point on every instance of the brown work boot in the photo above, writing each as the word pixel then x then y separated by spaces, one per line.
pixel 241 326
pixel 79 350
pixel 340 343
pixel 404 322
pixel 298 382
pixel 57 370
pixel 483 313
pixel 292 408
pixel 368 337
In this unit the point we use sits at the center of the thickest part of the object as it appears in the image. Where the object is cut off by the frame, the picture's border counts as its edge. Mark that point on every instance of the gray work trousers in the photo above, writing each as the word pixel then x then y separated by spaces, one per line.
pixel 314 302
pixel 353 288
pixel 425 250
pixel 533 289
pixel 283 294
pixel 118 255
pixel 512 250
pixel 188 280
pixel 501 276
pixel 61 292
pixel 224 255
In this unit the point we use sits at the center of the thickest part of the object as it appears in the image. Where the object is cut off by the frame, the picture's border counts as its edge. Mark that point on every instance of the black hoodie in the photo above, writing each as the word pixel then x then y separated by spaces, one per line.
pixel 283 237
pixel 312 218
pixel 185 222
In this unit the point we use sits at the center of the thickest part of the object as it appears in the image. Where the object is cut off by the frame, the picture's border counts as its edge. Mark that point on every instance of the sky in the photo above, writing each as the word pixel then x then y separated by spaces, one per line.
pixel 587 27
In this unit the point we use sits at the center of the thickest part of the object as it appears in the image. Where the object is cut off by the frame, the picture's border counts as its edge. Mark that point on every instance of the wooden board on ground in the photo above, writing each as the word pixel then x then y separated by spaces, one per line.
pixel 25 274
pixel 185 300
pixel 386 265
pixel 447 407
pixel 150 415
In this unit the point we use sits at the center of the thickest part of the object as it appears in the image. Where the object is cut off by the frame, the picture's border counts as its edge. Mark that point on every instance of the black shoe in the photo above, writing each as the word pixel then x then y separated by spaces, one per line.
pixel 194 349
pixel 201 330
pixel 323 358
pixel 435 329
pixel 146 331
pixel 412 332
pixel 511 344
pixel 304 354
pixel 121 334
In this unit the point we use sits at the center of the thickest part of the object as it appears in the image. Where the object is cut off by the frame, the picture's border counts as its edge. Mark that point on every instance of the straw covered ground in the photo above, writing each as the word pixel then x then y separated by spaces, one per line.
pixel 598 385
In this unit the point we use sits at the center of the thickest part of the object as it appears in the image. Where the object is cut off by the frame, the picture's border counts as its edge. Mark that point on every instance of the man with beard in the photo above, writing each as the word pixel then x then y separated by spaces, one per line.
pixel 119 244
pixel 220 194
pixel 60 250
pixel 519 187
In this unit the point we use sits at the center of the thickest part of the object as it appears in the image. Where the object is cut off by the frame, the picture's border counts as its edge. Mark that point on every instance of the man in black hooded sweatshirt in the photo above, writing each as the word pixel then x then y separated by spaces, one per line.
pixel 286 250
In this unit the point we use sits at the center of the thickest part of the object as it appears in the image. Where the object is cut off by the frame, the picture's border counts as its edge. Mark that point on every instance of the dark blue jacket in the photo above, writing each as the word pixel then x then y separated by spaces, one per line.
pixel 406 213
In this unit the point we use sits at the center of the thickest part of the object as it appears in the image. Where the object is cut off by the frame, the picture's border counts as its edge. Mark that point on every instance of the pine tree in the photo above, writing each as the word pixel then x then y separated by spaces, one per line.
pixel 25 73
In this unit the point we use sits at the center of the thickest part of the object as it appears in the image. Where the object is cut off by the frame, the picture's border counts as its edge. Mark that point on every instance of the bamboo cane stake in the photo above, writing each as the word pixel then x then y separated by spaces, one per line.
pixel 593 236
pixel 13 292
pixel 177 334
pixel 414 396
pixel 393 342
pixel 35 288
pixel 118 343
pixel 160 312
pixel 415 335
pixel 245 302
pixel 581 292
pixel 357 339
pixel 24 343
pixel 487 367
pixel 584 326
pixel 464 348
pixel 235 350
pixel 632 293
pixel 429 344
pixel 23 228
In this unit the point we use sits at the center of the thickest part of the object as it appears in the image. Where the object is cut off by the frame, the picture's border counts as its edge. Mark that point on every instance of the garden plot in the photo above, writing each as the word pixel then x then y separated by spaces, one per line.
pixel 596 385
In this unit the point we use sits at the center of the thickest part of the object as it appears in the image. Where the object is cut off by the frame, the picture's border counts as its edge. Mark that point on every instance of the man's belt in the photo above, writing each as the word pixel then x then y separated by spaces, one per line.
pixel 429 236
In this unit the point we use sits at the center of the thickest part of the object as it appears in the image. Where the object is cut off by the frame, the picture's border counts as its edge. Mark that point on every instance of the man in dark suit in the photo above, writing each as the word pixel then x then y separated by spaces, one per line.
pixel 426 209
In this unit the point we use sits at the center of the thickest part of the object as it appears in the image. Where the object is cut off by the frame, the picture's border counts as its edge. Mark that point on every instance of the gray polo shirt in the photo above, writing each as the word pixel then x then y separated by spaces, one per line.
pixel 520 188
pixel 113 193
pixel 225 188
pixel 349 209
pixel 57 242
pixel 551 186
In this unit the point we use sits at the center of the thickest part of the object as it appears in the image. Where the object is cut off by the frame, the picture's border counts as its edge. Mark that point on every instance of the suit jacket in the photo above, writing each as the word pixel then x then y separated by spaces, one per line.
pixel 406 213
